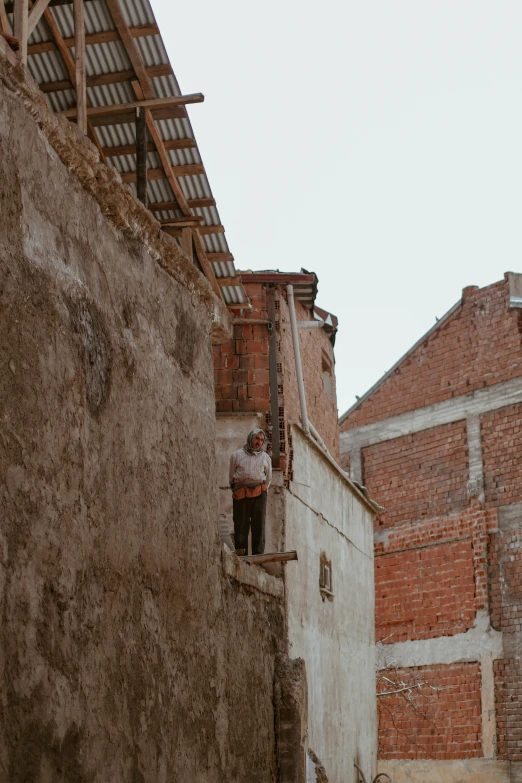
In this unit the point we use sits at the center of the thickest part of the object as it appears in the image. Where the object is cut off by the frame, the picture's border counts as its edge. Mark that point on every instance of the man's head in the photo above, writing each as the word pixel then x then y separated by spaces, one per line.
pixel 255 441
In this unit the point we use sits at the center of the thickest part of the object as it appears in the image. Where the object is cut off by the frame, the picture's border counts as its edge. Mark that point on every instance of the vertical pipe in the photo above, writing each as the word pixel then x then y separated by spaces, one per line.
pixel 297 354
pixel 141 155
pixel 21 21
pixel 272 368
pixel 4 24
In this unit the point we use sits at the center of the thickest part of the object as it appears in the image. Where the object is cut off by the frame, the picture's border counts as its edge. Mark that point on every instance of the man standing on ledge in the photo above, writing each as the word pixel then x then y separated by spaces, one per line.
pixel 250 477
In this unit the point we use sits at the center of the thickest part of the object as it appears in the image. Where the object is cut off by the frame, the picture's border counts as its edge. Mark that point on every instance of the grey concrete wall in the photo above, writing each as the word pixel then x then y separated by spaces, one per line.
pixel 127 652
pixel 334 635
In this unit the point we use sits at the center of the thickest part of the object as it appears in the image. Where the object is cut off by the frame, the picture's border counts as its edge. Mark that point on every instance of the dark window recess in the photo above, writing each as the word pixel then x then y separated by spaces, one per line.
pixel 325 575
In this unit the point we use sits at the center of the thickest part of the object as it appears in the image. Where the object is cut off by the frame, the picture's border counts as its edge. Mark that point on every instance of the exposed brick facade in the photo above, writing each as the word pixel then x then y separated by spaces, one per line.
pixel 501 433
pixel 242 370
pixel 420 475
pixel 449 545
pixel 455 359
pixel 437 724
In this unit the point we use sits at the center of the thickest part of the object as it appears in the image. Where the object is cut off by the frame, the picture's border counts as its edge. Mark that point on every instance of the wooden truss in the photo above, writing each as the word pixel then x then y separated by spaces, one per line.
pixel 145 111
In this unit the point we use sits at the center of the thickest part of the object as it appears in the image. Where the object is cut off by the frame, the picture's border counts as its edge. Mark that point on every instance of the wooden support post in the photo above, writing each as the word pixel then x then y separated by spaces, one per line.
pixel 4 24
pixel 141 155
pixel 79 60
pixel 21 14
pixel 35 15
pixel 186 241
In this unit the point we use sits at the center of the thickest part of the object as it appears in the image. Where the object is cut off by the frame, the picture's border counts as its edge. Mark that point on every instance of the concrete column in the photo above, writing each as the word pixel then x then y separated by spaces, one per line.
pixel 356 465
pixel 487 692
pixel 476 467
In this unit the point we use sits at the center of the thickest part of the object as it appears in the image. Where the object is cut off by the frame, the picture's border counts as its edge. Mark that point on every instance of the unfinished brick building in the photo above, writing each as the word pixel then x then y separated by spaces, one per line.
pixel 437 442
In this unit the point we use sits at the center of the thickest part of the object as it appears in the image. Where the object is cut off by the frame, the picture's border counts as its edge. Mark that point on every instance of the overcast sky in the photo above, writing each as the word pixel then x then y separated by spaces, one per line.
pixel 376 143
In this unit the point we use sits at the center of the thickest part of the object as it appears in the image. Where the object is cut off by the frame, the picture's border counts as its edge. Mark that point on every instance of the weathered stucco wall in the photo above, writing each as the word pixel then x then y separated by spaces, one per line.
pixel 127 653
pixel 333 635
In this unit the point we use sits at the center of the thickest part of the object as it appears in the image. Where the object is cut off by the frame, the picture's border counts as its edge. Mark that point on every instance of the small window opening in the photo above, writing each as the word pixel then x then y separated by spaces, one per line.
pixel 325 576
pixel 328 380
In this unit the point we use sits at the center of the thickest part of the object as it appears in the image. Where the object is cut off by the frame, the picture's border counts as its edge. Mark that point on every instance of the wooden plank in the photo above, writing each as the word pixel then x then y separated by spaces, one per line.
pixel 186 243
pixel 195 220
pixel 194 203
pixel 229 280
pixel 9 5
pixel 127 118
pixel 151 103
pixel 79 61
pixel 130 149
pixel 167 165
pixel 8 53
pixel 69 64
pixel 211 230
pixel 4 23
pixel 141 156
pixel 130 45
pixel 35 15
pixel 21 11
pixel 95 38
pixel 270 557
pixel 178 171
pixel 213 257
pixel 205 263
pixel 105 78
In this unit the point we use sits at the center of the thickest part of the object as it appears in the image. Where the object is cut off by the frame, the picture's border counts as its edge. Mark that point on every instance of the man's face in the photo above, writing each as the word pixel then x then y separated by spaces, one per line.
pixel 258 440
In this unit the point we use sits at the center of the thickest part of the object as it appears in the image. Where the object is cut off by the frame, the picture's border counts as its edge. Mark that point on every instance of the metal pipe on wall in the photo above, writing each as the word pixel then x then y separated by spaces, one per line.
pixel 297 355
pixel 272 369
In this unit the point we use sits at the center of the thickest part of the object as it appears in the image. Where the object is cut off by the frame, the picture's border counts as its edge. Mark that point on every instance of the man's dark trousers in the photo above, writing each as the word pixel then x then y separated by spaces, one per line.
pixel 250 513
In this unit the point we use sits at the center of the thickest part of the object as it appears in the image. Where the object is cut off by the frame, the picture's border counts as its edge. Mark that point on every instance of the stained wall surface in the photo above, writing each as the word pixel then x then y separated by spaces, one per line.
pixel 437 442
pixel 332 633
pixel 127 651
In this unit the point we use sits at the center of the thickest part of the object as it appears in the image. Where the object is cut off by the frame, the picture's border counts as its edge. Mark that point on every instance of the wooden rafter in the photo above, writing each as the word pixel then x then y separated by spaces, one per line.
pixel 21 20
pixel 79 61
pixel 130 149
pixel 105 78
pixel 146 90
pixel 194 203
pixel 127 118
pixel 95 38
pixel 152 103
pixel 71 68
pixel 213 257
pixel 35 15
pixel 182 221
pixel 4 24
pixel 188 170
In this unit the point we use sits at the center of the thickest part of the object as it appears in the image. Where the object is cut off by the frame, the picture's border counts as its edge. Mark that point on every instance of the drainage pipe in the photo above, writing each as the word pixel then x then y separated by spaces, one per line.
pixel 297 355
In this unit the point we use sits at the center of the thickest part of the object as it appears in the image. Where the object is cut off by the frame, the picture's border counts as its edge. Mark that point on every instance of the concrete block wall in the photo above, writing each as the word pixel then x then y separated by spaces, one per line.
pixel 437 442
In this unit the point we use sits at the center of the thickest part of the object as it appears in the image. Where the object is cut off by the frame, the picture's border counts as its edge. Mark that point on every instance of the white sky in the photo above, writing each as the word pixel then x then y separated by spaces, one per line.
pixel 376 143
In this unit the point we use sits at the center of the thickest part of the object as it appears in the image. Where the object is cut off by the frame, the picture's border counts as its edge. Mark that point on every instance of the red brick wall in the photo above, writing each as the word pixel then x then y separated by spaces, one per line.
pixel 241 370
pixel 506 599
pixel 501 434
pixel 457 358
pixel 241 364
pixel 314 344
pixel 419 475
pixel 442 724
pixel 431 577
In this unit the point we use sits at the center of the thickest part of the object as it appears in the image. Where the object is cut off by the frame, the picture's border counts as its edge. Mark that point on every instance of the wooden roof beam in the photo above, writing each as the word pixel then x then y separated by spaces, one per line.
pixel 178 171
pixel 105 36
pixel 105 78
pixel 182 221
pixel 71 68
pixel 194 203
pixel 127 118
pixel 130 149
pixel 152 103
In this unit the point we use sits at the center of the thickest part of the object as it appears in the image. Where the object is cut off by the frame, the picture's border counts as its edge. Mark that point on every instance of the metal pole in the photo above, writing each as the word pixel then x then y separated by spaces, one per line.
pixel 297 355
pixel 272 368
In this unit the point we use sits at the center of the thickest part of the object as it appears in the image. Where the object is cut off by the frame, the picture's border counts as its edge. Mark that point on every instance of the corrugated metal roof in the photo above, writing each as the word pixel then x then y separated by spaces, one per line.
pixel 111 57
